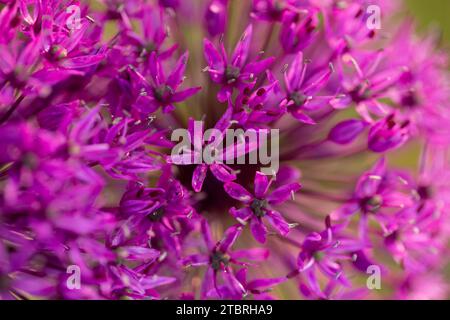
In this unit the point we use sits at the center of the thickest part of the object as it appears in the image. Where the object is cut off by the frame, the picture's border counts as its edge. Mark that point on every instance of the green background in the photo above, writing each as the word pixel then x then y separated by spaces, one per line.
pixel 432 13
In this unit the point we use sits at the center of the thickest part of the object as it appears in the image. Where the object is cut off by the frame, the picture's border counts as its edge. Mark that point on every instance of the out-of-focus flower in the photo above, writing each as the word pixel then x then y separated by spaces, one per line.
pixel 216 17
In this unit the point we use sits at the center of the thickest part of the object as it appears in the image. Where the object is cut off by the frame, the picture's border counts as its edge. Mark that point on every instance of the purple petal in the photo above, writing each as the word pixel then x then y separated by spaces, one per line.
pixel 386 134
pixel 176 76
pixel 199 176
pixel 156 70
pixel 195 260
pixel 369 183
pixel 224 93
pixel 278 222
pixel 224 121
pixel 362 261
pixel 230 237
pixel 282 193
pixel 345 211
pixel 82 62
pixel 242 214
pixel 155 281
pixel 259 66
pixel 212 56
pixel 261 284
pixel 58 117
pixel 183 95
pixel 301 116
pixel 346 131
pixel 258 230
pixel 221 172
pixel 341 102
pixel 146 104
pixel 287 174
pixel 139 253
pixel 53 76
pixel 216 17
pixel 295 73
pixel 238 192
pixel 206 232
pixel 261 184
pixel 242 49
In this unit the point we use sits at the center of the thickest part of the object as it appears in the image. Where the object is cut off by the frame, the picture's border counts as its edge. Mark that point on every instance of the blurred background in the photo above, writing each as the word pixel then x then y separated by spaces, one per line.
pixel 432 13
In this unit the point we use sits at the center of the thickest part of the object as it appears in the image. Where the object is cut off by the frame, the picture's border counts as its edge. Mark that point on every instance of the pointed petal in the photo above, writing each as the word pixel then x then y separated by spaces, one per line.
pixel 185 94
pixel 242 49
pixel 346 131
pixel 282 193
pixel 243 214
pixel 155 281
pixel 261 284
pixel 176 76
pixel 261 184
pixel 139 253
pixel 258 230
pixel 230 238
pixel 221 172
pixel 278 222
pixel 206 233
pixel 156 70
pixel 238 192
pixel 295 73
pixel 199 176
pixel 258 67
pixel 224 121
pixel 303 117
pixel 212 56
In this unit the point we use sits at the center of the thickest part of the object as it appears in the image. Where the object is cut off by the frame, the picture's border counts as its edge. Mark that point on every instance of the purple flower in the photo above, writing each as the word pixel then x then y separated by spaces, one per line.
pixel 346 26
pixel 411 234
pixel 322 253
pixel 377 193
pixel 253 109
pixel 152 210
pixel 237 72
pixel 366 82
pixel 298 29
pixel 160 91
pixel 219 153
pixel 152 38
pixel 132 284
pixel 388 133
pixel 258 207
pixel 301 92
pixel 220 259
